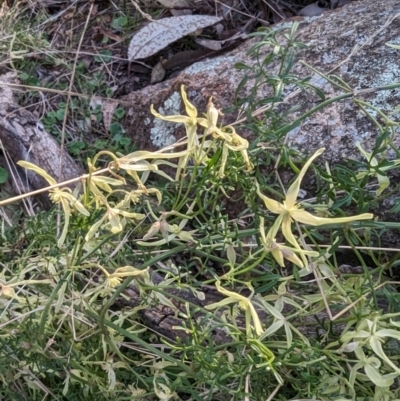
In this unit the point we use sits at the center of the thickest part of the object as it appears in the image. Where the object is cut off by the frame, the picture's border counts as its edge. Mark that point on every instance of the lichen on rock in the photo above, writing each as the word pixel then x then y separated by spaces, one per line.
pixel 162 132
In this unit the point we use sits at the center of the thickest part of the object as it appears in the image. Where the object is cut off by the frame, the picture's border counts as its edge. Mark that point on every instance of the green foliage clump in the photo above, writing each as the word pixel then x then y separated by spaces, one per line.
pixel 286 321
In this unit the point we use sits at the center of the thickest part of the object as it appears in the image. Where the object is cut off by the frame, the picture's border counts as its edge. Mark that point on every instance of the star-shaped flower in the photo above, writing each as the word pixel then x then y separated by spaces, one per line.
pixel 57 195
pixel 289 210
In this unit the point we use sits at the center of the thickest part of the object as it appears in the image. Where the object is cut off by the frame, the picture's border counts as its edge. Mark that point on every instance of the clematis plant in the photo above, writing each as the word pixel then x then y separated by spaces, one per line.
pixel 289 210
pixel 58 195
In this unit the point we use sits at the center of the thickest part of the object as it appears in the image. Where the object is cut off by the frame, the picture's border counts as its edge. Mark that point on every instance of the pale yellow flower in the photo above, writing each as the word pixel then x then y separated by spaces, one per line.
pixel 231 140
pixel 281 252
pixel 57 195
pixel 113 279
pixel 136 162
pixel 115 223
pixel 289 210
pixel 162 226
pixel 190 121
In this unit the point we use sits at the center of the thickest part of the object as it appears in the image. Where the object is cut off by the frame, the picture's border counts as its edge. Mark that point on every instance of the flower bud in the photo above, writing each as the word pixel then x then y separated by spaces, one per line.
pixel 154 229
pixel 212 114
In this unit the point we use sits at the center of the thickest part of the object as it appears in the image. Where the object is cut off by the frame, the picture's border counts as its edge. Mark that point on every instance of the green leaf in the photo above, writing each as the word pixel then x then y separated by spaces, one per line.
pixel 124 141
pixel 29 79
pixel 116 128
pixel 242 66
pixel 3 175
pixel 60 114
pixel 396 207
pixel 104 56
pixel 117 137
pixel 231 254
pixel 119 113
pixel 76 147
pixel 119 22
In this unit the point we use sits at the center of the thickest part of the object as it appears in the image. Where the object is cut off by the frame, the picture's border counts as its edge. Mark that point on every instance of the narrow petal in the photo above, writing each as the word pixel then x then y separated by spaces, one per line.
pixel 172 119
pixel 287 231
pixel 94 228
pixel 128 271
pixel 129 215
pixel 273 328
pixel 376 378
pixel 275 228
pixel 190 109
pixel 67 214
pixel 115 223
pixel 212 114
pixel 38 170
pixel 203 122
pixel 277 254
pixel 74 202
pixel 383 183
pixel 215 305
pixel 371 160
pixel 224 158
pixel 271 204
pixel 107 180
pixel 377 348
pixel 307 218
pixel 135 157
pixel 139 166
pixel 256 320
pixel 292 257
pixel 231 294
pixel 157 243
pixel 293 190
pixel 246 159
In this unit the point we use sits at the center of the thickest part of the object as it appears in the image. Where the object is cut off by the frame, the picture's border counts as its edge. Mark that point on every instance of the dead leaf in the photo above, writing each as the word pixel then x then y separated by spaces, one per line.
pixel 157 73
pixel 312 10
pixel 217 44
pixel 210 44
pixel 219 28
pixel 158 34
pixel 108 112
pixel 110 35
